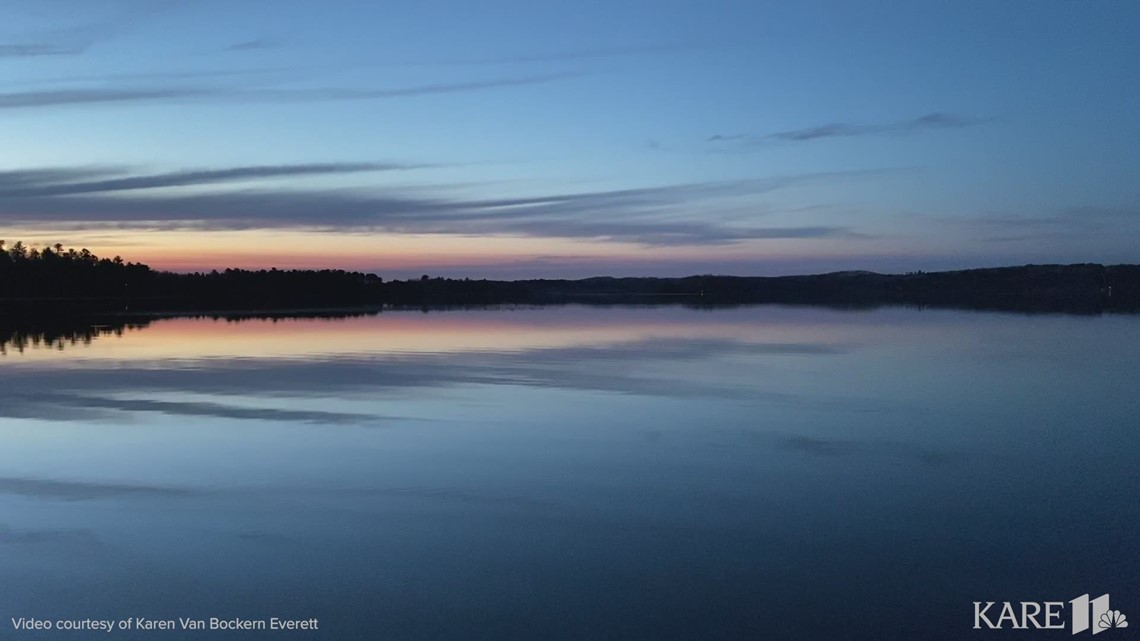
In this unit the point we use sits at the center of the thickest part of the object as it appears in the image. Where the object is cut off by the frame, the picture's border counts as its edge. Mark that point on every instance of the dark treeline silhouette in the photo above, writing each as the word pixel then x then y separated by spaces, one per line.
pixel 55 279
pixel 58 281
pixel 56 272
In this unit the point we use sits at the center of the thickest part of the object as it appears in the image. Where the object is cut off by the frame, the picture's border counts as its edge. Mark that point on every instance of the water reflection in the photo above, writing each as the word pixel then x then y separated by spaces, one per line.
pixel 656 473
pixel 60 334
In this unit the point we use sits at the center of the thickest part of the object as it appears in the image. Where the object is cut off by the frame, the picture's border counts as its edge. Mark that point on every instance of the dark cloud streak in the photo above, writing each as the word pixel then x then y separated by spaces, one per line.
pixel 253 45
pixel 37 49
pixel 77 40
pixel 23 184
pixel 928 122
pixel 103 95
pixel 584 54
pixel 60 97
pixel 79 490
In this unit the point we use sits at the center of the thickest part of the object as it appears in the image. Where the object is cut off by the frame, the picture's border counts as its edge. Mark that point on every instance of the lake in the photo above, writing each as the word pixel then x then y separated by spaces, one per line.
pixel 572 473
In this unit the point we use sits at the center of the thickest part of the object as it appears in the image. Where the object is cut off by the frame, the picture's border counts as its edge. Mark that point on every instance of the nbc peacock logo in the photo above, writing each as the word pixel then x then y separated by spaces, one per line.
pixel 1112 619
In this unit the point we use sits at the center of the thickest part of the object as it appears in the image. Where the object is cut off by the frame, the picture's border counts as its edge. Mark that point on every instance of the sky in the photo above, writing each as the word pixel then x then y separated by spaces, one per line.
pixel 520 139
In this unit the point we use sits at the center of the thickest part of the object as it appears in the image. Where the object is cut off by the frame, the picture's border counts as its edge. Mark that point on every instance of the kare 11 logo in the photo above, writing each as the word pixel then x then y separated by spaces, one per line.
pixel 1085 614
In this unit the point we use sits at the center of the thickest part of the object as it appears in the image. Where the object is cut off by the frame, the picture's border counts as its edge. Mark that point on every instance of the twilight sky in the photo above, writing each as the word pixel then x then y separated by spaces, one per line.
pixel 540 138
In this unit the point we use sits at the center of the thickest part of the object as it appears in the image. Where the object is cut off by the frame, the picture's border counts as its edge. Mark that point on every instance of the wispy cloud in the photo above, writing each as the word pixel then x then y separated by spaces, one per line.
pixel 59 97
pixel 650 216
pixel 36 49
pixel 9 536
pixel 396 92
pixel 1063 227
pixel 583 54
pixel 928 122
pixel 79 490
pixel 78 39
pixel 61 182
pixel 254 45
pixel 110 81
pixel 124 94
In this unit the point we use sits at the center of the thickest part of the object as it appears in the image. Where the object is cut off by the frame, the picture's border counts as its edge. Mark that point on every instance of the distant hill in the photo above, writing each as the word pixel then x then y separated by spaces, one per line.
pixel 56 281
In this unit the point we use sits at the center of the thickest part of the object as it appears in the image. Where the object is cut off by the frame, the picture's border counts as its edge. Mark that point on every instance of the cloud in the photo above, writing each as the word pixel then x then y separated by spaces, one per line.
pixel 130 80
pixel 584 54
pixel 60 182
pixel 399 92
pixel 931 121
pixel 78 490
pixel 1059 222
pixel 650 216
pixel 78 39
pixel 253 45
pixel 32 50
pixel 10 536
pixel 1059 230
pixel 827 447
pixel 63 97
pixel 671 234
pixel 59 97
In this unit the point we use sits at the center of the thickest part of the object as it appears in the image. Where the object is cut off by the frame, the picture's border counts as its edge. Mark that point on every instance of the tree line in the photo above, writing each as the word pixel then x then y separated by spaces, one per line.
pixel 41 277
pixel 57 281
pixel 59 272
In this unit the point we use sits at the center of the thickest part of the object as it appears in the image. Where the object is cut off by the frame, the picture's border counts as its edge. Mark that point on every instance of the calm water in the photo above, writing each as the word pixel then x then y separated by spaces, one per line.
pixel 574 473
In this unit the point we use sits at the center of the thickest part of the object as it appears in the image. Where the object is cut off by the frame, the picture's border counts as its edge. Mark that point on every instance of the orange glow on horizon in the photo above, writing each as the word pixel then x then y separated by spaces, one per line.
pixel 192 250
